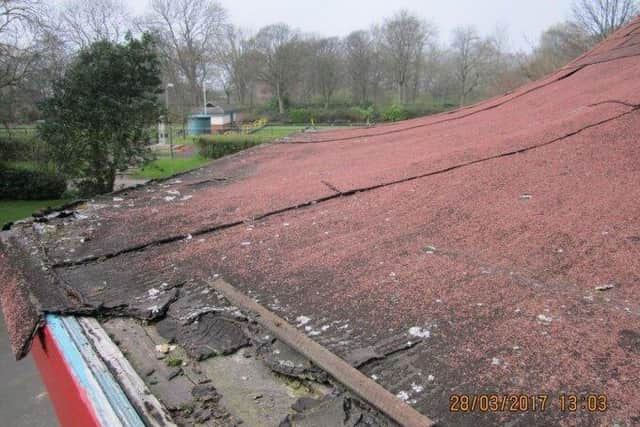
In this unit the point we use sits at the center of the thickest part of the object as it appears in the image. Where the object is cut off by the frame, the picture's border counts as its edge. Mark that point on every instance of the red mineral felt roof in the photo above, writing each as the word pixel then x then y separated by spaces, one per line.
pixel 493 249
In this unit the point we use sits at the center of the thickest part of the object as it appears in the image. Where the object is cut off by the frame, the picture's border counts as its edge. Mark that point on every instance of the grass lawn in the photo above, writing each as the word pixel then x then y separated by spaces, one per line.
pixel 278 131
pixel 20 130
pixel 165 166
pixel 11 210
pixel 274 132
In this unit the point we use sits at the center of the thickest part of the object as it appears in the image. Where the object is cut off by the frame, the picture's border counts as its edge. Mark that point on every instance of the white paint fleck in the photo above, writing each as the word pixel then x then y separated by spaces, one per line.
pixel 153 292
pixel 403 395
pixel 495 361
pixel 545 319
pixel 118 199
pixel 302 320
pixel 169 198
pixel 416 331
pixel 417 388
pixel 185 198
pixel 375 377
pixel 431 378
pixel 245 243
pixel 173 192
pixel 165 348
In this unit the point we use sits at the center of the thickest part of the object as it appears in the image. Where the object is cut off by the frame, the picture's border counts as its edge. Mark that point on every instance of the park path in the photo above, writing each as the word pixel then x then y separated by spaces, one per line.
pixel 23 398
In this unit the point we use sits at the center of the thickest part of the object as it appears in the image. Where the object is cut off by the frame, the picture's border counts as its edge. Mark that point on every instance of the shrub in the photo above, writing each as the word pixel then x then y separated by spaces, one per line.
pixel 217 146
pixel 362 114
pixel 395 112
pixel 24 184
pixel 300 115
pixel 22 148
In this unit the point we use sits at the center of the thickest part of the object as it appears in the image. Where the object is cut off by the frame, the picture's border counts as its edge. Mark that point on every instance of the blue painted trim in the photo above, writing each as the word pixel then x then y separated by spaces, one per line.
pixel 109 401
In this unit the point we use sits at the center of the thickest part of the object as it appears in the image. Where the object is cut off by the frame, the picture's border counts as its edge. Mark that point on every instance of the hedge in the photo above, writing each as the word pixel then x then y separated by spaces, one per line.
pixel 22 148
pixel 25 184
pixel 217 146
pixel 394 113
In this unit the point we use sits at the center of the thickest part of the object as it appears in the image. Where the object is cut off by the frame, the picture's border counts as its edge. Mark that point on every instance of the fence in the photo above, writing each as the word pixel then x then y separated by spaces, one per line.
pixel 17 130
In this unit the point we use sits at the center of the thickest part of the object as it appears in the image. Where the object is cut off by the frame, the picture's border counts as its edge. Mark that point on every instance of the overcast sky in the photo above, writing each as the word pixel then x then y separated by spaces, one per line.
pixel 524 20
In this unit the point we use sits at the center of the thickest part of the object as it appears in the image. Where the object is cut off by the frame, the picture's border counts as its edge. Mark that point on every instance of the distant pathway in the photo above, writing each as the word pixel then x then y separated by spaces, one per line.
pixel 24 401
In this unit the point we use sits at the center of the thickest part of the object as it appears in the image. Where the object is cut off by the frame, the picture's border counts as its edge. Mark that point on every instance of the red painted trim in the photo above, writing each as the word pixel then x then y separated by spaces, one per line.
pixel 69 399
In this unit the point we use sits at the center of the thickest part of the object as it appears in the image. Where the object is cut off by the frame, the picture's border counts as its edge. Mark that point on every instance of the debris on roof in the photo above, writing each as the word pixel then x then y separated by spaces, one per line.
pixel 531 199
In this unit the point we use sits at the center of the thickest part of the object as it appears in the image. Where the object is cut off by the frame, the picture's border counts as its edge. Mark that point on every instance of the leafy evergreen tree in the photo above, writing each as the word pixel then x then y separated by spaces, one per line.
pixel 98 118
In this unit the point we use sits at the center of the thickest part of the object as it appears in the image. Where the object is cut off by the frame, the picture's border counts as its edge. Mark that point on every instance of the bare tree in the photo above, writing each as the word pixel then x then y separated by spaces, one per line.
pixel 404 38
pixel 379 75
pixel 278 50
pixel 558 45
pixel 188 30
pixel 83 22
pixel 327 67
pixel 17 19
pixel 359 62
pixel 237 62
pixel 469 53
pixel 602 17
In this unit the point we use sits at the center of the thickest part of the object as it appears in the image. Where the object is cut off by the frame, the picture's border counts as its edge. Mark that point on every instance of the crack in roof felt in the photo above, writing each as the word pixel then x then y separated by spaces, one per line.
pixel 408 128
pixel 339 193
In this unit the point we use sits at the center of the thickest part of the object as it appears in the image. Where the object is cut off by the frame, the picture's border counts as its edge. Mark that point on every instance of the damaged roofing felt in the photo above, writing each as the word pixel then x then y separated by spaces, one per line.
pixel 495 248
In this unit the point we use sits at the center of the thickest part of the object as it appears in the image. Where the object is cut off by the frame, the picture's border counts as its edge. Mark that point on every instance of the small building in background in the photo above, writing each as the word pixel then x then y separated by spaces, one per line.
pixel 223 117
pixel 215 119
pixel 199 124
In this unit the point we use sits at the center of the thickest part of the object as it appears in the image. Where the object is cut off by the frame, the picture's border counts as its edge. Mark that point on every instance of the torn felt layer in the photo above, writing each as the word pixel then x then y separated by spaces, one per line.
pixel 21 316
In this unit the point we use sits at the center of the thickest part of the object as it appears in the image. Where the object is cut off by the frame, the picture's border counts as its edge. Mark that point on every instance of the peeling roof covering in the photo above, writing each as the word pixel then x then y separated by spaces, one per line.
pixel 504 237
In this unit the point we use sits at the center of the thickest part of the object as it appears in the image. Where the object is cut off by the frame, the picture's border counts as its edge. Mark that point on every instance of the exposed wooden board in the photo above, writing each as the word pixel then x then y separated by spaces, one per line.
pixel 365 388
pixel 192 373
pixel 141 353
pixel 154 414
pixel 109 402
pixel 139 344
pixel 252 392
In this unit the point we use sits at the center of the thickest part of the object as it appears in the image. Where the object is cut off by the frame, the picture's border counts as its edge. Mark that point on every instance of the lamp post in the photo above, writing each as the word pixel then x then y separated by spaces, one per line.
pixel 166 99
pixel 204 96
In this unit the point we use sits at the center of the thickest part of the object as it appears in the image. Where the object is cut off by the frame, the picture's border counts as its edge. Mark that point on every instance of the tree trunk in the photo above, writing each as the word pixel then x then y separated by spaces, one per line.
pixel 280 105
pixel 280 100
